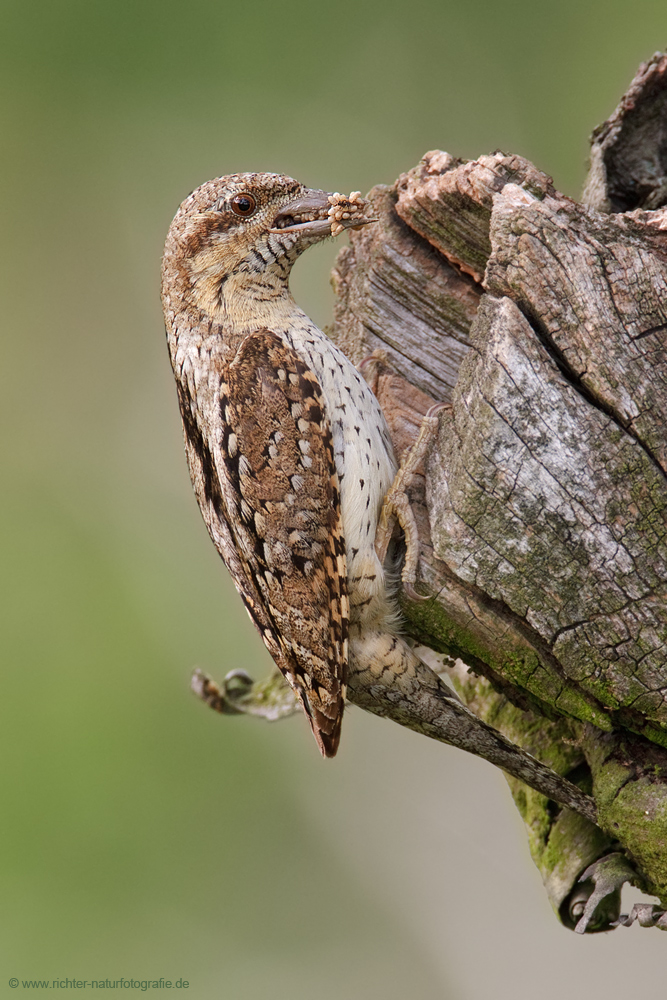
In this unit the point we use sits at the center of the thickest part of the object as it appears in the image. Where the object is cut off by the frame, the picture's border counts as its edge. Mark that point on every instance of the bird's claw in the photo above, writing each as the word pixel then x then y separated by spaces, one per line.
pixel 396 506
pixel 412 594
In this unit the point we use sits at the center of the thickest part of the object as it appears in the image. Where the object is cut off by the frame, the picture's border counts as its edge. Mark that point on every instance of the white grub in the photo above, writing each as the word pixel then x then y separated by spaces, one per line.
pixel 346 208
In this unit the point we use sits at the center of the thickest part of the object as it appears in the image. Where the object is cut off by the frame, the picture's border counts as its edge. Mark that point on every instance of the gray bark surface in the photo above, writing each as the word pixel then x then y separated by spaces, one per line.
pixel 543 512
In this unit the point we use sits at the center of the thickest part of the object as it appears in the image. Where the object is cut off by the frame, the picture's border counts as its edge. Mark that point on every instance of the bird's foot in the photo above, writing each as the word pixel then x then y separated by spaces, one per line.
pixel 373 365
pixel 271 698
pixel 396 505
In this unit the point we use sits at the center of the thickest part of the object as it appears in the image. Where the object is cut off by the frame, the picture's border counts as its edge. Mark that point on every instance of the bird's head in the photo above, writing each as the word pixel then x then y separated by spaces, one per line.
pixel 245 225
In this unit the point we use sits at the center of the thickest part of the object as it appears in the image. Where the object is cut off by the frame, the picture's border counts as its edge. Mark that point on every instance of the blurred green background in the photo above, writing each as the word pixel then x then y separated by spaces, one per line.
pixel 143 836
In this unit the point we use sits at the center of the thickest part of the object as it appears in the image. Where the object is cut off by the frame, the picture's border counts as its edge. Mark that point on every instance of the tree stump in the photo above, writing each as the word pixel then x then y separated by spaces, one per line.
pixel 543 509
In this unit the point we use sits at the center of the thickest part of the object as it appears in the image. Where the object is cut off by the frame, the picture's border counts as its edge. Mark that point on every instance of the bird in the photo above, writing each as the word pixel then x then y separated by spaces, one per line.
pixel 288 450
pixel 292 465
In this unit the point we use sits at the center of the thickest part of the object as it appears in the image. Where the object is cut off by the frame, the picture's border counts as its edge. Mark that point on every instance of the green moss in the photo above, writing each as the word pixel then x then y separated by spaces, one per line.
pixel 572 845
pixel 653 732
pixel 510 658
pixel 633 810
pixel 428 622
pixel 571 703
pixel 638 819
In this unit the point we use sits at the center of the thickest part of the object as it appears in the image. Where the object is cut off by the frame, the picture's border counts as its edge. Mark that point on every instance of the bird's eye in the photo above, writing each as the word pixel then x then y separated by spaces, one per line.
pixel 244 205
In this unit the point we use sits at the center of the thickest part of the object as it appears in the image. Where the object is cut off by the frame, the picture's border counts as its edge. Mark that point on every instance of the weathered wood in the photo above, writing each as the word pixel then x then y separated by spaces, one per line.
pixel 544 510
pixel 541 501
pixel 595 288
pixel 628 163
pixel 449 202
pixel 394 292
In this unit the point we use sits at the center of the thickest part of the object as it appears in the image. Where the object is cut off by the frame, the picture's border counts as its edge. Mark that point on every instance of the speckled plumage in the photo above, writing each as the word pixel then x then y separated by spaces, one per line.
pixel 288 450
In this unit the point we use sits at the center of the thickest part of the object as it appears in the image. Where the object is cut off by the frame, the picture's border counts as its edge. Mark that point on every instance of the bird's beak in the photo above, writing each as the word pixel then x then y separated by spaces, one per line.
pixel 320 214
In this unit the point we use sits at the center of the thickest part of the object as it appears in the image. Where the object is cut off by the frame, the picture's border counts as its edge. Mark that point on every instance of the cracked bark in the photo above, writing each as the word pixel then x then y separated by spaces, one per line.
pixel 543 511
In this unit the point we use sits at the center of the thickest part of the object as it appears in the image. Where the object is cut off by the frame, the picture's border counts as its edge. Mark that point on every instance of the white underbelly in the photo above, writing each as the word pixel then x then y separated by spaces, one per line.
pixel 363 454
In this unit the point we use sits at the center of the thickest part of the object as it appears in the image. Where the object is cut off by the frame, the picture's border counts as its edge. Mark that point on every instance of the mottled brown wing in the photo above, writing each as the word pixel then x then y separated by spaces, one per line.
pixel 281 492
